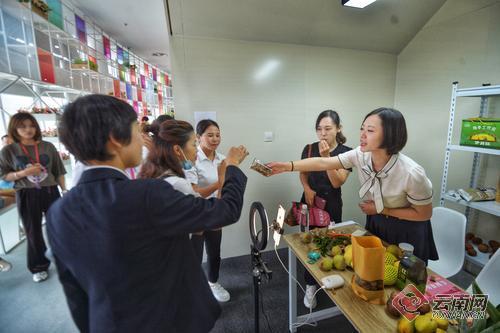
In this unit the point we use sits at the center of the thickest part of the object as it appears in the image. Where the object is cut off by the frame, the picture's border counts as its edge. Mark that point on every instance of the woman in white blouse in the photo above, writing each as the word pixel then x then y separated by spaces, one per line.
pixel 396 193
pixel 207 177
pixel 173 150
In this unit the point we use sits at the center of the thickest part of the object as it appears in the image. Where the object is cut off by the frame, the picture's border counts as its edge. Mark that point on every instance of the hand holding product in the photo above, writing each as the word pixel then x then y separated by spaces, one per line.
pixel 261 168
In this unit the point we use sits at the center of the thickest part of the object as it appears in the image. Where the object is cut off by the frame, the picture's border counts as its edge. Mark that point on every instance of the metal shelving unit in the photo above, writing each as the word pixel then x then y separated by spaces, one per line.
pixel 489 207
pixel 34 47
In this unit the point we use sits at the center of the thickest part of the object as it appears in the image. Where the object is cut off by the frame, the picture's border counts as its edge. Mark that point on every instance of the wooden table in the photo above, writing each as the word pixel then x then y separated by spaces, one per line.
pixel 365 317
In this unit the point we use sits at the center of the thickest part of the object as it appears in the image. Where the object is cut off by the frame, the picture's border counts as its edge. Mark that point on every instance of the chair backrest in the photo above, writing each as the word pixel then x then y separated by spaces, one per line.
pixel 448 228
pixel 488 279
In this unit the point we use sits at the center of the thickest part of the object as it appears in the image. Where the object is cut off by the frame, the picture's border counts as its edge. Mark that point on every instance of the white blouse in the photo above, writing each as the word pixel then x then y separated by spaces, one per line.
pixel 401 183
pixel 181 185
pixel 205 172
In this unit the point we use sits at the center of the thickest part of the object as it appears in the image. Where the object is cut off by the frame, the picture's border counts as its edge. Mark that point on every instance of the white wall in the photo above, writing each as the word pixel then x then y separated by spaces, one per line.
pixel 460 43
pixel 219 75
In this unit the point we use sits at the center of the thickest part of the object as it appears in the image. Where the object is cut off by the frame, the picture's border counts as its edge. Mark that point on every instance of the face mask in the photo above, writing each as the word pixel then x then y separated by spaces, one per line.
pixel 186 164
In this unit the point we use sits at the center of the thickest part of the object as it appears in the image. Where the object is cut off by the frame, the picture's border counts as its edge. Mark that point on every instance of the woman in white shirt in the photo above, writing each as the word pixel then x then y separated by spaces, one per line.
pixel 396 193
pixel 207 177
pixel 172 151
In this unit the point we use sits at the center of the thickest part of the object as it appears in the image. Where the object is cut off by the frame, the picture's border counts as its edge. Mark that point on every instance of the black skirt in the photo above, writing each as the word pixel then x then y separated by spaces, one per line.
pixel 395 231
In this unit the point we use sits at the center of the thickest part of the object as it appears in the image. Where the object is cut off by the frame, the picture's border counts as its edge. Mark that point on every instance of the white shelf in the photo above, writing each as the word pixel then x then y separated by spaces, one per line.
pixel 490 207
pixel 52 139
pixel 481 259
pixel 475 149
pixel 479 91
pixel 45 116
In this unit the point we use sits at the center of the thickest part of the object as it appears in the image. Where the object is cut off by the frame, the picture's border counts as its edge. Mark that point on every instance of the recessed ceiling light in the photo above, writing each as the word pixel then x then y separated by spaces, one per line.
pixel 357 3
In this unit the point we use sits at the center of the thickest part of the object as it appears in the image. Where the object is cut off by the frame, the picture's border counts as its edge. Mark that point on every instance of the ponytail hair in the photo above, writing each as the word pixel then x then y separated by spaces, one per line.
pixel 162 157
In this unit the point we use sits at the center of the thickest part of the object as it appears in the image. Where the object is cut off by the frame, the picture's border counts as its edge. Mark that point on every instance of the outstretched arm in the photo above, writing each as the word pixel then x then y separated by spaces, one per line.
pixel 306 165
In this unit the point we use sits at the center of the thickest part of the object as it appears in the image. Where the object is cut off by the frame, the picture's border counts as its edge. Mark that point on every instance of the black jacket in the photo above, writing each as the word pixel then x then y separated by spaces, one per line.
pixel 124 257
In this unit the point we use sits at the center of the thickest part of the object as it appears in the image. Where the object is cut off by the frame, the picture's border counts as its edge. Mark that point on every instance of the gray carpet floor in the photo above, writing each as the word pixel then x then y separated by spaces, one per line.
pixel 27 307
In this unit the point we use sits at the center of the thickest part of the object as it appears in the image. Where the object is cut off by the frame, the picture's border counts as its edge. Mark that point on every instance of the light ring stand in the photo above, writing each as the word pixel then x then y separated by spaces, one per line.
pixel 259 243
pixel 258 236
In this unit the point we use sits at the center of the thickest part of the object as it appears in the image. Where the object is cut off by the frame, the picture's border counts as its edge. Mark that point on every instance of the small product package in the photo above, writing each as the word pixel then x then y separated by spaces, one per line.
pixel 261 168
pixel 478 194
pixel 368 261
pixel 480 132
pixel 412 270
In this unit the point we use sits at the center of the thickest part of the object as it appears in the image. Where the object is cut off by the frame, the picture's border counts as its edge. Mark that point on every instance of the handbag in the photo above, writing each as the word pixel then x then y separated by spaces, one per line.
pixel 318 217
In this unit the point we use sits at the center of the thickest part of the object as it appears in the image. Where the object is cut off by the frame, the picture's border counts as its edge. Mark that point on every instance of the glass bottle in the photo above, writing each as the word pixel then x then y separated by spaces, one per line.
pixel 411 269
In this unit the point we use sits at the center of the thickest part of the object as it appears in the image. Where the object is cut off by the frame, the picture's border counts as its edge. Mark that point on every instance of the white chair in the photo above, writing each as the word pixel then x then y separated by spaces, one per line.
pixel 487 279
pixel 448 228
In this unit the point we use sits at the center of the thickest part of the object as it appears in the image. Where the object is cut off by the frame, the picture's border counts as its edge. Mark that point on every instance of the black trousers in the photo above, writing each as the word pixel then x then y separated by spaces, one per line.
pixel 212 240
pixel 32 203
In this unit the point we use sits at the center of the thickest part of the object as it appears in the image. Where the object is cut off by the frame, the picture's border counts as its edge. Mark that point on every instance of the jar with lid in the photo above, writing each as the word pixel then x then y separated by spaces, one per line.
pixel 411 269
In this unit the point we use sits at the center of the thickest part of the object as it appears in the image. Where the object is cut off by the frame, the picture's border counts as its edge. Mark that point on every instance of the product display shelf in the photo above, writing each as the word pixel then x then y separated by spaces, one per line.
pixel 490 207
pixel 11 81
pixel 52 139
pixel 474 149
pixel 62 38
pixel 65 49
pixel 480 259
pixel 479 91
pixel 46 116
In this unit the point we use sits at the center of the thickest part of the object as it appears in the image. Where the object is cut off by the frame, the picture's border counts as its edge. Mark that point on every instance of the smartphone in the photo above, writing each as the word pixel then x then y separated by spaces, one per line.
pixel 279 220
pixel 261 168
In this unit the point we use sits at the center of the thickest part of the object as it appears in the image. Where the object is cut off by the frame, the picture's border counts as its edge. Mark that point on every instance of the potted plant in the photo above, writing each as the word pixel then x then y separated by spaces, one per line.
pixel 93 66
pixel 39 7
pixel 79 63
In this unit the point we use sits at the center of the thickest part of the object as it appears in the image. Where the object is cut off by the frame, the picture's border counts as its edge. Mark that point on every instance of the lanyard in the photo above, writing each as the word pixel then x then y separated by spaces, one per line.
pixel 37 156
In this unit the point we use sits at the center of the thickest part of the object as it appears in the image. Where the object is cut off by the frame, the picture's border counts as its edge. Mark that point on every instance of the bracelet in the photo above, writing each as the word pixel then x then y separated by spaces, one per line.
pixel 292 165
pixel 15 176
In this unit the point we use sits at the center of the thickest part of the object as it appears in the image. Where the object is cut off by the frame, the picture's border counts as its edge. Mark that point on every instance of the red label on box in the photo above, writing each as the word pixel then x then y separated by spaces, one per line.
pixel 438 285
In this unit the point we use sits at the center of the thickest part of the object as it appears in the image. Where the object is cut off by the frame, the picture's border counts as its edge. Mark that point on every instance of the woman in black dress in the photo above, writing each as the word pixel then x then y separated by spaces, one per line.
pixel 324 184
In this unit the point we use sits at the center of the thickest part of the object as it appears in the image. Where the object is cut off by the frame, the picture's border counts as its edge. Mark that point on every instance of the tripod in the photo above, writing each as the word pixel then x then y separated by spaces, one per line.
pixel 259 269
pixel 258 235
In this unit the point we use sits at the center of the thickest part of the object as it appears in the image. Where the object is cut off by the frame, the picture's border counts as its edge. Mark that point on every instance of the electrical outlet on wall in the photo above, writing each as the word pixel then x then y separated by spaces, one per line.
pixel 268 136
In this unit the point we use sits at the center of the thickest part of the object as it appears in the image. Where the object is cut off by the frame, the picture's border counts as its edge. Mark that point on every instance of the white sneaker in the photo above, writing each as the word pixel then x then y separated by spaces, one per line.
pixel 40 276
pixel 220 294
pixel 310 298
pixel 4 265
